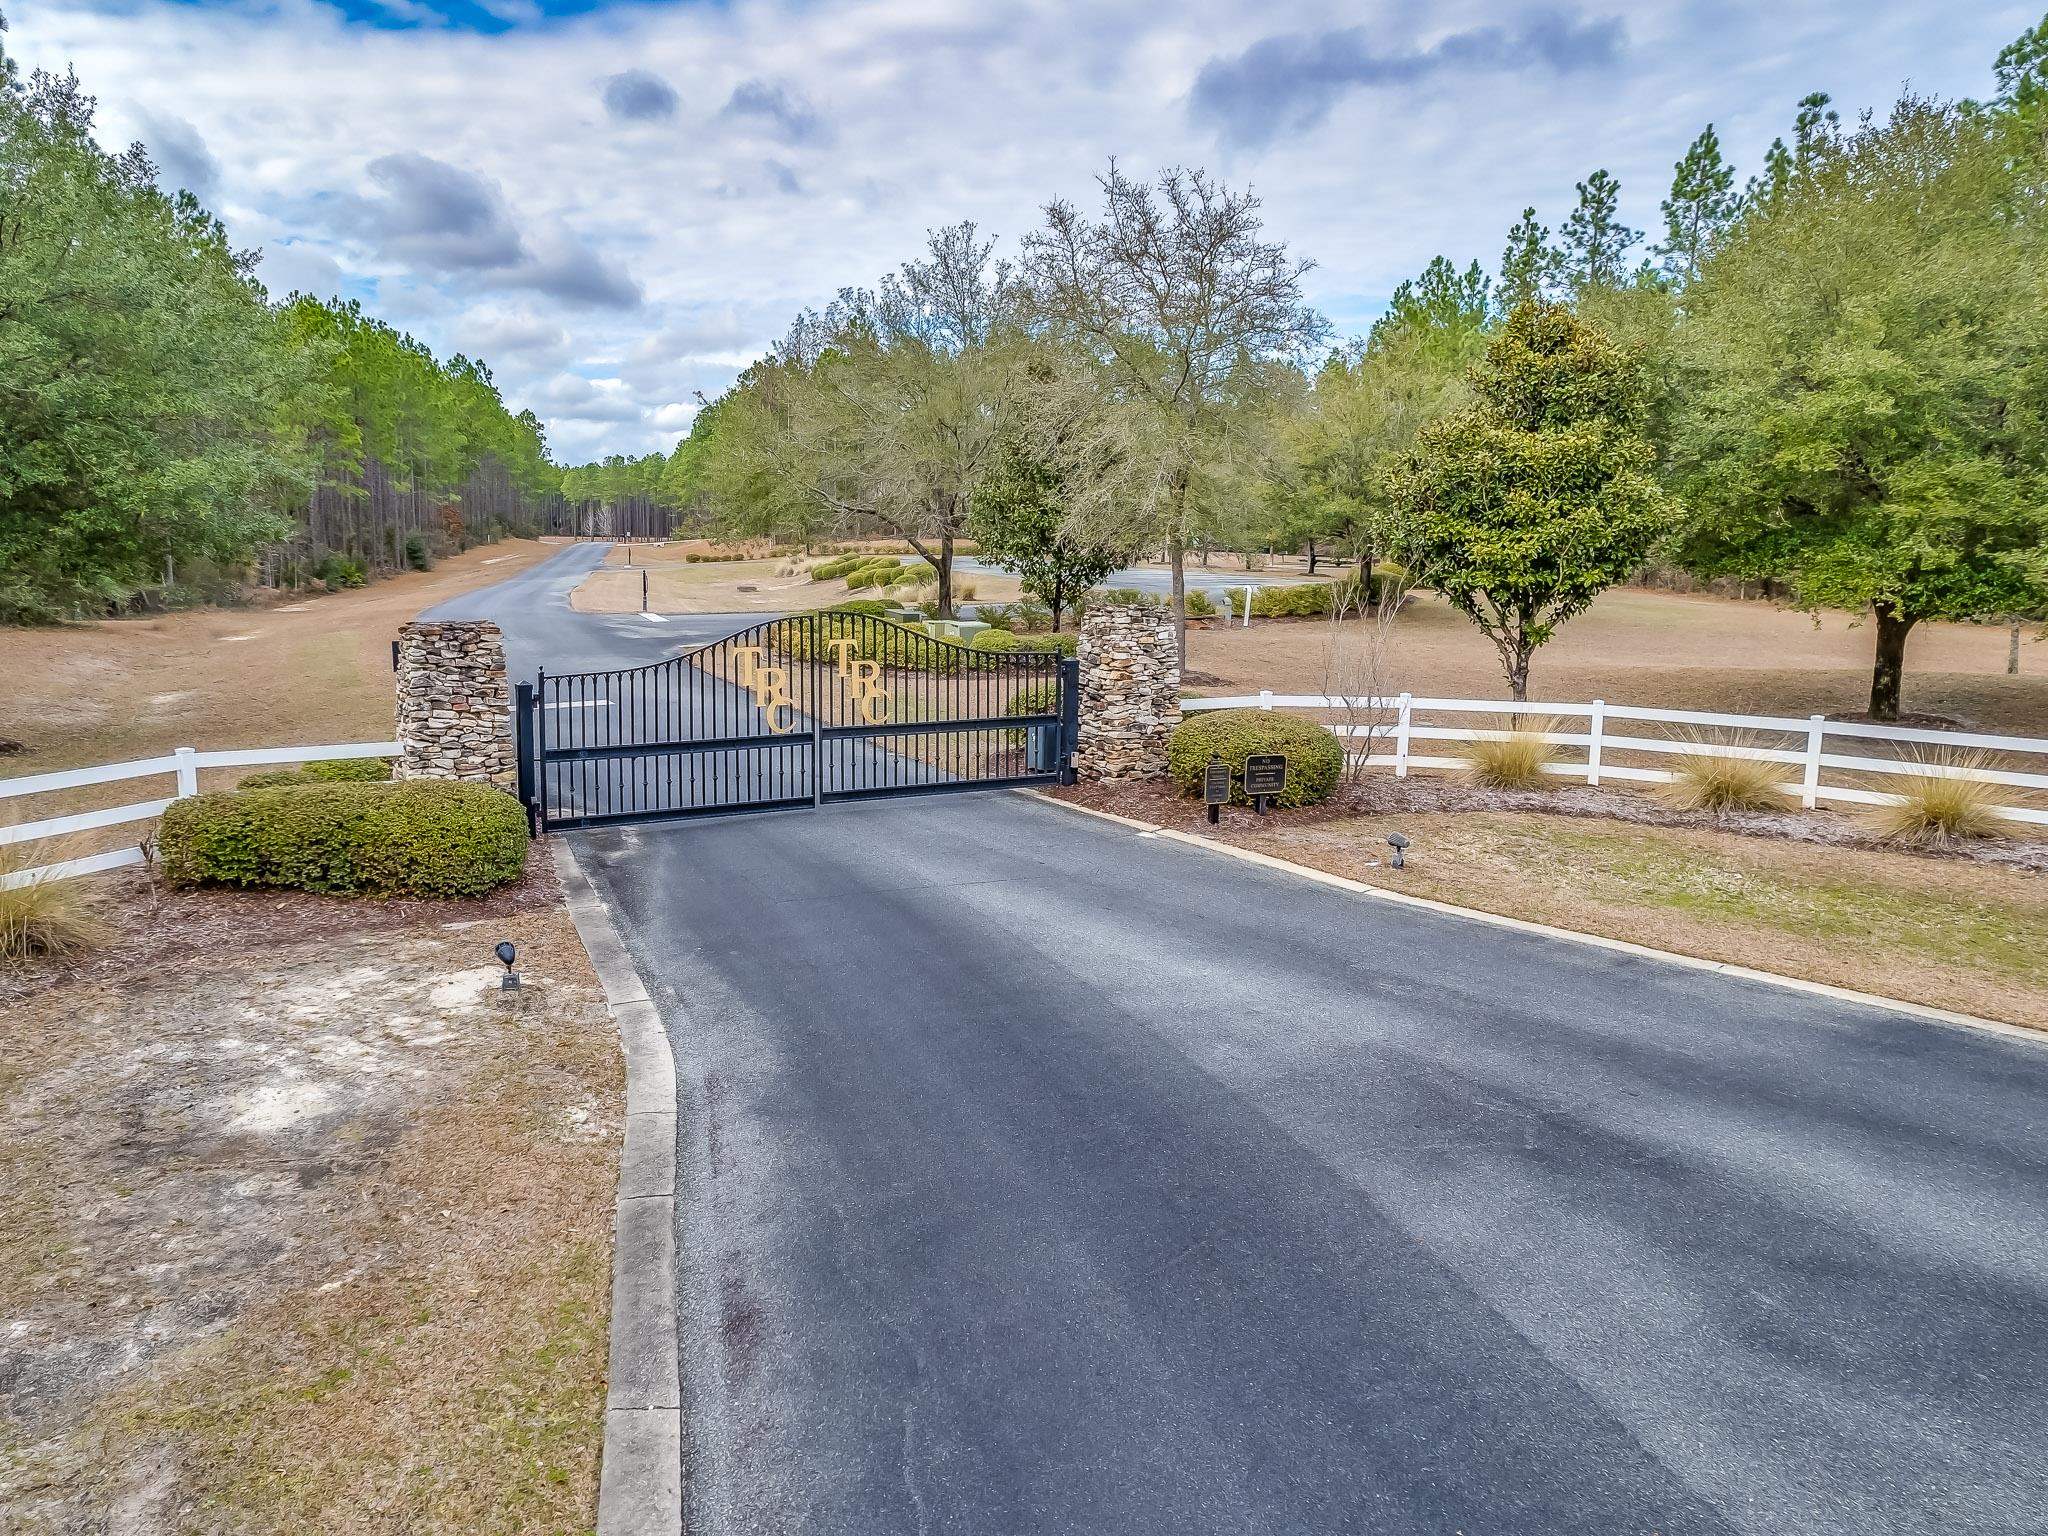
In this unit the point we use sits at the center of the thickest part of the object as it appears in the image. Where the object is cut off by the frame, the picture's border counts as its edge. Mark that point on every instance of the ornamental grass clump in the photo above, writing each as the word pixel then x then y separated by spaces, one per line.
pixel 45 915
pixel 1938 805
pixel 1513 759
pixel 1711 776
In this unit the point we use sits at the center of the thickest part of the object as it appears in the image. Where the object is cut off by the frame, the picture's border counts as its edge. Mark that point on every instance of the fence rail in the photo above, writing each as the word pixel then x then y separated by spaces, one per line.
pixel 1806 747
pixel 184 764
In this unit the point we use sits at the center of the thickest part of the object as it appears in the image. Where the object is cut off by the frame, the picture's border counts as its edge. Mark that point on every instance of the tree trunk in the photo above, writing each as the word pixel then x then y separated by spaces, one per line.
pixel 1177 555
pixel 946 576
pixel 1890 667
pixel 2012 651
pixel 1311 557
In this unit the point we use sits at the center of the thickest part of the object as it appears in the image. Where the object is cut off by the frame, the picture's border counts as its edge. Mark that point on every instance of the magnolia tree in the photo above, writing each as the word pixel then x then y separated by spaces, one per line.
pixel 1529 504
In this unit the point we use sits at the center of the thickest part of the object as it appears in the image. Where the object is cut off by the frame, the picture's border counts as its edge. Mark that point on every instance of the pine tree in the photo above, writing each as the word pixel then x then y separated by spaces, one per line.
pixel 1700 207
pixel 1596 242
pixel 1528 267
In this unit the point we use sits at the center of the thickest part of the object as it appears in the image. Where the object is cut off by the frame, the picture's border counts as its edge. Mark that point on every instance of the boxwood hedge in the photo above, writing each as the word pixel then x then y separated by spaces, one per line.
pixel 1009 640
pixel 1315 758
pixel 416 838
pixel 339 770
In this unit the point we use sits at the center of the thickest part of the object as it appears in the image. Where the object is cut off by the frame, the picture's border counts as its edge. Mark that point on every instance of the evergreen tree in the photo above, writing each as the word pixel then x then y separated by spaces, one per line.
pixel 1596 242
pixel 1528 266
pixel 1701 206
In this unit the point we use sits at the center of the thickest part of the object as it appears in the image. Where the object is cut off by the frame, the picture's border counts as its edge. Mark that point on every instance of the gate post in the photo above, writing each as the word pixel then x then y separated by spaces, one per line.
pixel 1070 716
pixel 817 710
pixel 1130 691
pixel 524 747
pixel 454 708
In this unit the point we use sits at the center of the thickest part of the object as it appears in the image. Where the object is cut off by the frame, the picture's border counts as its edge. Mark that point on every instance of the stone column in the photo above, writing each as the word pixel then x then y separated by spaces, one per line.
pixel 1130 692
pixel 454 704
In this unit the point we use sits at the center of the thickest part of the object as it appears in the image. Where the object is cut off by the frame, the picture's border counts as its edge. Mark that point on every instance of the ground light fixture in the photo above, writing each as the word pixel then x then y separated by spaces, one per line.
pixel 506 955
pixel 1399 844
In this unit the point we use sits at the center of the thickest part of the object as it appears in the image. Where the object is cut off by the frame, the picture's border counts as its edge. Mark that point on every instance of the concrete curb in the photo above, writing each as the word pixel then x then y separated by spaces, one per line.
pixel 1570 935
pixel 640 1487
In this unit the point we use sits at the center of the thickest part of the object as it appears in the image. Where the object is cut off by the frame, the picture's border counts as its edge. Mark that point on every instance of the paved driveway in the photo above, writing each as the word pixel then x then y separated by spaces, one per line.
pixel 1041 1177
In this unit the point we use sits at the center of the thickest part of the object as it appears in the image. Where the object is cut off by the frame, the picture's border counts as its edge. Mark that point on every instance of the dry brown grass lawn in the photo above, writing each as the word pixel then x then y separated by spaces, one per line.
pixel 309 1235
pixel 725 586
pixel 1636 646
pixel 315 670
pixel 1946 932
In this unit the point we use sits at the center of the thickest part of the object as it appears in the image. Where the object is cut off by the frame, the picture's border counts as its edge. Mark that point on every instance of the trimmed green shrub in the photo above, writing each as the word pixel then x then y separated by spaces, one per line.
pixel 874 607
pixel 1121 597
pixel 1315 758
pixel 418 553
pixel 1200 604
pixel 422 837
pixel 1010 640
pixel 338 770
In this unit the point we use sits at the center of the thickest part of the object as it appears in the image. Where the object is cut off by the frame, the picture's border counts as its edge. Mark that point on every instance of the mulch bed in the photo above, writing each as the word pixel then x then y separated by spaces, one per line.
pixel 1383 795
pixel 158 927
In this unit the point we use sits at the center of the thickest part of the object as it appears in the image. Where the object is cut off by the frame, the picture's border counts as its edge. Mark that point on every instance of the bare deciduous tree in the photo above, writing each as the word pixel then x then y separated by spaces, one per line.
pixel 1177 303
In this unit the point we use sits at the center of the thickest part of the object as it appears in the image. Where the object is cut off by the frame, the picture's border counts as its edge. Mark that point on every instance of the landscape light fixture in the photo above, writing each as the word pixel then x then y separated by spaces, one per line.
pixel 1399 844
pixel 506 955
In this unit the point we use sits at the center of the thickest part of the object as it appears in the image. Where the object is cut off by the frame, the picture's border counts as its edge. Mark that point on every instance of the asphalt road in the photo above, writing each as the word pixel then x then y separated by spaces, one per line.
pixel 1045 1178
pixel 1042 1177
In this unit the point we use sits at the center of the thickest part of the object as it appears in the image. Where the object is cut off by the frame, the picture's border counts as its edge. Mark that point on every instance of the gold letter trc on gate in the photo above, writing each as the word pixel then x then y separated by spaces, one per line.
pixel 770 687
pixel 746 661
pixel 842 650
pixel 866 680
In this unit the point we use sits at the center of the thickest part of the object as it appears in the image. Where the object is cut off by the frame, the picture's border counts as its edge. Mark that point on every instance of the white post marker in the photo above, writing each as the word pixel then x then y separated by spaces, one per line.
pixel 1248 607
pixel 188 771
pixel 1593 746
pixel 1816 730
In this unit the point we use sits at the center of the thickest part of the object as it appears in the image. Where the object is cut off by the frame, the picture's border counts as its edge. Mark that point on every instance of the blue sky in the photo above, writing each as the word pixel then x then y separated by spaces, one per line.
pixel 617 206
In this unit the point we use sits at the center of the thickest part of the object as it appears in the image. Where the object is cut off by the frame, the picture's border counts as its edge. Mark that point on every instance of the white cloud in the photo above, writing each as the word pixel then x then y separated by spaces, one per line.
pixel 811 146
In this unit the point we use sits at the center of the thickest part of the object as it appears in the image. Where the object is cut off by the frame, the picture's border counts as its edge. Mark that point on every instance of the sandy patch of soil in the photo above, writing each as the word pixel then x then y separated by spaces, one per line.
pixel 303 1226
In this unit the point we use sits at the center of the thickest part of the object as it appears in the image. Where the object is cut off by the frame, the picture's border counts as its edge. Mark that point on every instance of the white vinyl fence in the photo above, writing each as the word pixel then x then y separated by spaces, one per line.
pixel 1814 748
pixel 183 764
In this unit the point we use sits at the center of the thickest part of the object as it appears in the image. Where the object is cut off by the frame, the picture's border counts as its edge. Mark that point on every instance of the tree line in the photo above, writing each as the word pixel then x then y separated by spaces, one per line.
pixel 160 416
pixel 1830 377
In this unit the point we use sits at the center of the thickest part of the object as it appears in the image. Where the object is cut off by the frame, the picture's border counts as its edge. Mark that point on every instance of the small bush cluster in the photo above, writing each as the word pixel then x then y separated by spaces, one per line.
pixel 422 838
pixel 419 554
pixel 1007 641
pixel 1315 758
pixel 1024 616
pixel 339 770
pixel 341 571
pixel 1200 604
pixel 1121 597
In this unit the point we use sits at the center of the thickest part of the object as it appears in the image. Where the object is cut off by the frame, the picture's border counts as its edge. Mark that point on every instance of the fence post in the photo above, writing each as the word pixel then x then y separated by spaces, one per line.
pixel 1070 718
pixel 1248 591
pixel 1401 736
pixel 1596 730
pixel 1816 729
pixel 188 772
pixel 1265 698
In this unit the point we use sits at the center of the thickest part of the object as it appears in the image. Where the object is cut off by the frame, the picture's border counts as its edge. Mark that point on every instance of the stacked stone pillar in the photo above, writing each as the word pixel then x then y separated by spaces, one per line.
pixel 1130 692
pixel 454 704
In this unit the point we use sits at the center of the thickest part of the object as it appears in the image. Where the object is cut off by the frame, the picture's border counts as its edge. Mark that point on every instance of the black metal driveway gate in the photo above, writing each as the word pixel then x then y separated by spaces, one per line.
pixel 797 711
